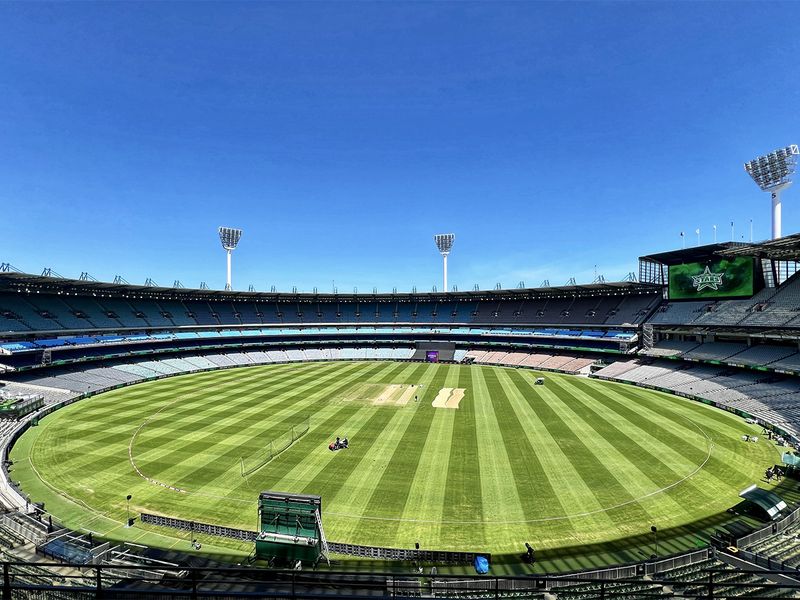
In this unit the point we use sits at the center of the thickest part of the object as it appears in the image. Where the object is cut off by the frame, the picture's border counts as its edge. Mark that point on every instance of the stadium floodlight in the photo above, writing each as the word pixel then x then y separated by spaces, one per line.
pixel 230 238
pixel 773 173
pixel 444 242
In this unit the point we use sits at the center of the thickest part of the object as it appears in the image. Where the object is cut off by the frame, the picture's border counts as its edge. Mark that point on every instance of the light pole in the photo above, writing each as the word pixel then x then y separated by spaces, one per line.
pixel 654 529
pixel 230 238
pixel 773 173
pixel 444 242
pixel 128 510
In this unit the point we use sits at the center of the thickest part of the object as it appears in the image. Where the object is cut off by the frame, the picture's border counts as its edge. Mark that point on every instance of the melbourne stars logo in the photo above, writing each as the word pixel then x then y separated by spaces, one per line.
pixel 707 279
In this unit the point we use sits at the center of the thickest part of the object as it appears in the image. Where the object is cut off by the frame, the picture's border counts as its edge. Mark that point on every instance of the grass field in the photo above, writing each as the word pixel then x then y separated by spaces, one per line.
pixel 579 468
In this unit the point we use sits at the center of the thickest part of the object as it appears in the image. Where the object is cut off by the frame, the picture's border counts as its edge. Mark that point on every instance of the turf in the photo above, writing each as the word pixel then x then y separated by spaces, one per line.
pixel 579 468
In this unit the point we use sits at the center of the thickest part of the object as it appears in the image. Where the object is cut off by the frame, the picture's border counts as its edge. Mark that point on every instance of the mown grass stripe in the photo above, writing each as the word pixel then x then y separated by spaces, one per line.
pixel 358 479
pixel 596 476
pixel 325 471
pixel 667 462
pixel 464 471
pixel 536 491
pixel 390 492
pixel 426 495
pixel 149 449
pixel 354 496
pixel 641 478
pixel 728 455
pixel 509 481
pixel 179 463
pixel 547 444
pixel 189 399
pixel 314 391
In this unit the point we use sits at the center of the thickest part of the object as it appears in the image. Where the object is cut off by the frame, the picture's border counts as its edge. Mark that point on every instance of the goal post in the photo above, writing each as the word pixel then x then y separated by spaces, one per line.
pixel 251 464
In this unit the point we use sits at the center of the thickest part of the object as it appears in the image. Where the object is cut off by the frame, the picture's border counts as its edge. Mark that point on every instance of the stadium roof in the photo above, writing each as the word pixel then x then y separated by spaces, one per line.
pixel 784 248
pixel 693 254
pixel 28 282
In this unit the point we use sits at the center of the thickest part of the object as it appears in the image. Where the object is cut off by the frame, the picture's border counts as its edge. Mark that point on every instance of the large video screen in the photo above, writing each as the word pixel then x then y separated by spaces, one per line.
pixel 718 278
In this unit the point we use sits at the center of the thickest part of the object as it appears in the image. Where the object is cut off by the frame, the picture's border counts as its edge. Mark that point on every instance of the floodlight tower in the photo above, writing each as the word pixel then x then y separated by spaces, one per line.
pixel 229 238
pixel 444 242
pixel 773 173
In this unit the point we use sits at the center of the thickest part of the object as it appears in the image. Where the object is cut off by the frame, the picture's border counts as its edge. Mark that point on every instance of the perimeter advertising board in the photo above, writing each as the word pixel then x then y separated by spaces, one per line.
pixel 719 278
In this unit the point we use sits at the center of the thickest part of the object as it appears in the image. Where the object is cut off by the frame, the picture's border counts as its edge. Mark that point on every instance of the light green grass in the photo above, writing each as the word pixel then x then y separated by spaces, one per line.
pixel 579 468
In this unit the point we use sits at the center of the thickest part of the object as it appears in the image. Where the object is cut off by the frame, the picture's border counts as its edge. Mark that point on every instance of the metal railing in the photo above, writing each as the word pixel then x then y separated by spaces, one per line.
pixel 79 581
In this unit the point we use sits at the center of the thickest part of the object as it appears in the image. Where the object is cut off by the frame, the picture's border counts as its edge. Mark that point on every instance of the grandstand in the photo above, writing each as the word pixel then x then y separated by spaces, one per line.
pixel 66 339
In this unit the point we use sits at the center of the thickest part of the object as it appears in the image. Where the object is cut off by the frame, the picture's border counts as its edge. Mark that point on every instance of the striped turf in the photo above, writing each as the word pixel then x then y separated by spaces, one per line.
pixel 577 467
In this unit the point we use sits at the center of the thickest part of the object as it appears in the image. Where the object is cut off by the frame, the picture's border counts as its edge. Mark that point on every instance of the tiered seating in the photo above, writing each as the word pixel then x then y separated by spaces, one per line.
pixel 495 358
pixel 316 354
pixel 533 360
pixel 577 364
pixel 566 364
pixel 691 580
pixel 94 313
pixel 136 369
pixel 51 394
pixel 764 354
pixel 610 589
pixel 790 363
pixel 220 360
pixel 179 364
pixel 673 379
pixel 160 367
pixel 671 348
pixel 677 313
pixel 277 355
pixel 477 355
pixel 51 312
pixel 10 538
pixel 555 362
pixel 258 357
pixel 714 351
pixel 201 362
pixel 645 371
pixel 771 307
pixel 295 355
pixel 773 398
pixel 617 368
pixel 239 358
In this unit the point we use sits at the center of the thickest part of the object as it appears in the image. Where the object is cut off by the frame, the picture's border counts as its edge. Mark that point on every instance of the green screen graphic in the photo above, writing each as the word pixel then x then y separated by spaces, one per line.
pixel 713 279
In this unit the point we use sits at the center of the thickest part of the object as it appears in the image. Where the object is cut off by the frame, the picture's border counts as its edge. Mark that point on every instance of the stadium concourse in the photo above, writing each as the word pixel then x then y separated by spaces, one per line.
pixel 736 348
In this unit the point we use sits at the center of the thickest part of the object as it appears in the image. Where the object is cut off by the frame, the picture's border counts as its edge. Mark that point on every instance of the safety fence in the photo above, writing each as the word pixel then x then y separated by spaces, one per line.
pixel 64 582
pixel 374 552
pixel 770 530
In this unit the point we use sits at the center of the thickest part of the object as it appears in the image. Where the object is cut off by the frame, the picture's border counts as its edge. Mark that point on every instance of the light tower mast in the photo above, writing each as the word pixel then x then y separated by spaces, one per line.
pixel 772 173
pixel 444 242
pixel 229 238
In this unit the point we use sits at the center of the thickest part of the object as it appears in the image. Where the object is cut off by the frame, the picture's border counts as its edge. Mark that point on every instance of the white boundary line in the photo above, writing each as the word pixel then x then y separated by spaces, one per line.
pixel 710 449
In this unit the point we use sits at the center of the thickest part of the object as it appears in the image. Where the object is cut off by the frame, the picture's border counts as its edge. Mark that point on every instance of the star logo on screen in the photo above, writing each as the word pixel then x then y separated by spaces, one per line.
pixel 707 279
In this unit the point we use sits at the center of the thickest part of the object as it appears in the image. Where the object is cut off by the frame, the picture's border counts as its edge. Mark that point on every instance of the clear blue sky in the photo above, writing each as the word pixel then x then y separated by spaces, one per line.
pixel 549 137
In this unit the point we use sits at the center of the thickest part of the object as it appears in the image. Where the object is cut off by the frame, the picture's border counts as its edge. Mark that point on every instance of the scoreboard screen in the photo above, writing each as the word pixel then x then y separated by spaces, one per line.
pixel 719 278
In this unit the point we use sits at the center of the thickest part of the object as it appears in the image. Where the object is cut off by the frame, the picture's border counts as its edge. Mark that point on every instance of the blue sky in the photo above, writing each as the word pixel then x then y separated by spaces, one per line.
pixel 549 137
